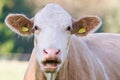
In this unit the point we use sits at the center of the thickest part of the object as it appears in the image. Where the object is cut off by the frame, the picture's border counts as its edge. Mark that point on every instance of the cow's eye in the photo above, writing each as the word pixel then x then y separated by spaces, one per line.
pixel 68 28
pixel 36 28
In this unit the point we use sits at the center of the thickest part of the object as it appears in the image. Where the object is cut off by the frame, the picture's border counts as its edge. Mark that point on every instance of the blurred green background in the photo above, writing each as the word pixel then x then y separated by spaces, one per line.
pixel 14 47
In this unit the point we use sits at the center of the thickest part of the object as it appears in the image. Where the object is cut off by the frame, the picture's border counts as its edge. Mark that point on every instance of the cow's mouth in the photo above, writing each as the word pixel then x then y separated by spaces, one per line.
pixel 50 66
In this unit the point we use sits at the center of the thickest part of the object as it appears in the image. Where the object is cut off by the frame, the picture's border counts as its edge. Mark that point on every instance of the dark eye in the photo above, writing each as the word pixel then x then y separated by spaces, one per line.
pixel 36 28
pixel 68 28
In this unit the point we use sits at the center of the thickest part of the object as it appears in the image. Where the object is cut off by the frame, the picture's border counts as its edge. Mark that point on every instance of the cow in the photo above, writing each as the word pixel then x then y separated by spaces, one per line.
pixel 67 49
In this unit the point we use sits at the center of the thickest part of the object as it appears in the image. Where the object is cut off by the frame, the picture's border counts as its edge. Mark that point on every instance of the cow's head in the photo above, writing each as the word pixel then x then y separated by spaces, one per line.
pixel 52 28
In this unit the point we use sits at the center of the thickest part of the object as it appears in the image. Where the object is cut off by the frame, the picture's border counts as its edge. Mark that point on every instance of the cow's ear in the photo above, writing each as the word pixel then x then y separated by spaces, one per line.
pixel 85 25
pixel 19 24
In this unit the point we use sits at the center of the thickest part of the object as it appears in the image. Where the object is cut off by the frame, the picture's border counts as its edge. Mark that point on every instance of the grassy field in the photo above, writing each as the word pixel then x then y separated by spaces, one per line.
pixel 12 70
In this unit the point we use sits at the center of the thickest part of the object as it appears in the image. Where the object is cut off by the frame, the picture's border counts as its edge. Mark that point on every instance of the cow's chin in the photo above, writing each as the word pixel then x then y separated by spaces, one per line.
pixel 50 66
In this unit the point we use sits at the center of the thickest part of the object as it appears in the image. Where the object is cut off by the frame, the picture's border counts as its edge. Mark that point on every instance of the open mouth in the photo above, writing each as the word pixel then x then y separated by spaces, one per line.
pixel 50 66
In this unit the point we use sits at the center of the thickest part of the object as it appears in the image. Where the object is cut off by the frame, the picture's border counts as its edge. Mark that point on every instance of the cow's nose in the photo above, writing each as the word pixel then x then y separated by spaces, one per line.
pixel 51 52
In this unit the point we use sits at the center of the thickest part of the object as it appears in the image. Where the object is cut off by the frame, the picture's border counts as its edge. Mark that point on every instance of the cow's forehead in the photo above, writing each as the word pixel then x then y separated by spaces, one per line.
pixel 53 15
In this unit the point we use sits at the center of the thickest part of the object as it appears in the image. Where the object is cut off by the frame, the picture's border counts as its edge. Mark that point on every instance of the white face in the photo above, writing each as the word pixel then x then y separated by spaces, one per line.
pixel 52 34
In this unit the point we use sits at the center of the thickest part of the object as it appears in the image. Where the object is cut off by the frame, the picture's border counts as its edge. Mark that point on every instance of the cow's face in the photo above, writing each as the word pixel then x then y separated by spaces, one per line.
pixel 52 28
pixel 52 33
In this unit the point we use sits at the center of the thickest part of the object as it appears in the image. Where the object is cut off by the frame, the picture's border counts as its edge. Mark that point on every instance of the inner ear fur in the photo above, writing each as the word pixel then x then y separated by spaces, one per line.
pixel 16 22
pixel 85 25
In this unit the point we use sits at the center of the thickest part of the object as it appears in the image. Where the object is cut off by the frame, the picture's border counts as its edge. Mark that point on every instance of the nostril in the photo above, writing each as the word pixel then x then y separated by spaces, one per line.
pixel 58 52
pixel 45 51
